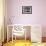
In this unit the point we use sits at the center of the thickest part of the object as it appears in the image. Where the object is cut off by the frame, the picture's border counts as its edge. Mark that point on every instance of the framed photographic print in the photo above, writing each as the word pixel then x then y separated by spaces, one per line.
pixel 26 9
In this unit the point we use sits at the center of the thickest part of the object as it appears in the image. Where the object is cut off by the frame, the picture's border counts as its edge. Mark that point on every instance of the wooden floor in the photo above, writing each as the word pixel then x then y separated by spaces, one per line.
pixel 18 43
pixel 23 43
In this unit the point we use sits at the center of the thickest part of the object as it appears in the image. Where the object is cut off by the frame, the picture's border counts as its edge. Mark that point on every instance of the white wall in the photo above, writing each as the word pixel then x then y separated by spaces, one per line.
pixel 38 15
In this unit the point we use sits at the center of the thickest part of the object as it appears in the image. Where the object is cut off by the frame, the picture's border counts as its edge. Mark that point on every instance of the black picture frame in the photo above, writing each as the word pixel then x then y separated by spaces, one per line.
pixel 26 9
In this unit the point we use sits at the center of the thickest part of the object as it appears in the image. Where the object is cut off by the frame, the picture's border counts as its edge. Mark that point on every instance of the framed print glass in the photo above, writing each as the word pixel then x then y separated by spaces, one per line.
pixel 26 9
